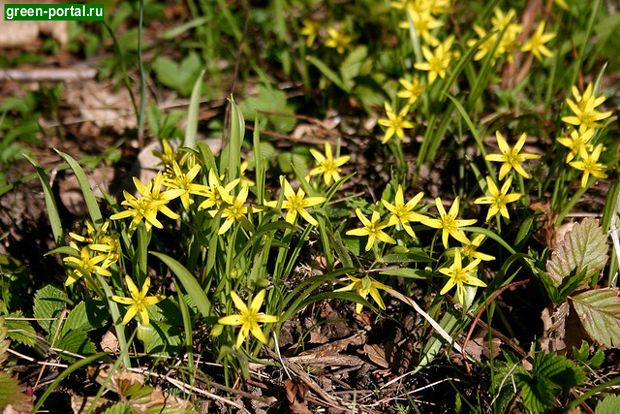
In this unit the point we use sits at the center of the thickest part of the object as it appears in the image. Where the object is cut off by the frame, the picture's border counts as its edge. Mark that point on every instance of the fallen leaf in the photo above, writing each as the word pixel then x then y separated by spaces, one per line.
pixel 296 397
pixel 109 343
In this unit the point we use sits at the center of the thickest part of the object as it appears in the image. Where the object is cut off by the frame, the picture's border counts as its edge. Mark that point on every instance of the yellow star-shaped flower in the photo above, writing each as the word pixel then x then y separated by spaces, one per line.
pixel 327 165
pixel 577 141
pixel 365 286
pixel 437 61
pixel 589 164
pixel 373 228
pixel 138 301
pixel 296 203
pixel 402 213
pixel 448 222
pixel 460 276
pixel 498 198
pixel 583 107
pixel 536 43
pixel 248 318
pixel 511 157
pixel 395 123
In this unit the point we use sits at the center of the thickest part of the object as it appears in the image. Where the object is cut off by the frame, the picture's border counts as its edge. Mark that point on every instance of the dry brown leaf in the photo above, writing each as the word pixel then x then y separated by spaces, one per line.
pixel 554 327
pixel 296 397
pixel 101 104
pixel 109 342
pixel 376 353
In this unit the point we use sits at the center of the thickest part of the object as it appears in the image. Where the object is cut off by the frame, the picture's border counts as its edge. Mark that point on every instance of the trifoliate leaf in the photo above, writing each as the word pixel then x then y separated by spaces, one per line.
pixel 610 405
pixel 49 303
pixel 599 311
pixel 584 248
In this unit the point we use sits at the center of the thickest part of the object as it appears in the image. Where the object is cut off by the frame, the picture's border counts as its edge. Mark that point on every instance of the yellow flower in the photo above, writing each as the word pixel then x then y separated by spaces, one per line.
pixel 448 222
pixel 215 192
pixel 402 213
pixel 138 301
pixel 413 89
pixel 179 180
pixel 84 265
pixel 337 39
pixel 589 164
pixel 151 201
pixel 536 44
pixel 511 157
pixel 327 165
pixel 470 249
pixel 583 107
pixel 364 287
pixel 168 155
pixel 107 244
pixel 296 203
pixel 577 141
pixel 310 30
pixel 437 61
pixel 394 123
pixel 248 317
pixel 424 23
pixel 373 228
pixel 235 209
pixel 460 276
pixel 243 179
pixel 498 198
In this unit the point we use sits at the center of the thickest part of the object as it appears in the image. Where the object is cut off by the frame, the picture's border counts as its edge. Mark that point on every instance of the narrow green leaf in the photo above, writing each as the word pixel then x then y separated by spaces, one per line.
pixel 87 192
pixel 405 272
pixel 192 113
pixel 328 73
pixel 64 374
pixel 189 282
pixel 237 131
pixel 50 201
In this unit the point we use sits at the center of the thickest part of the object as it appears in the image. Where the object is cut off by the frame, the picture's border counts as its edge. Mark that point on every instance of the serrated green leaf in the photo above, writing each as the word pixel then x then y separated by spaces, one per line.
pixel 584 248
pixel 10 390
pixel 599 312
pixel 48 303
pixel 20 330
pixel 76 320
pixel 610 405
pixel 76 342
pixel 550 374
pixel 538 393
pixel 119 408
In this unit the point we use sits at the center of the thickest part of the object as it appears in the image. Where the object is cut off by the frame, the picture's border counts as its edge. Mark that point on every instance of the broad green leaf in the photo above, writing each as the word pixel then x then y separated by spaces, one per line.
pixel 599 311
pixel 610 405
pixel 584 248
pixel 76 342
pixel 119 408
pixel 189 282
pixel 350 68
pixel 49 303
pixel 550 375
pixel 269 103
pixel 87 191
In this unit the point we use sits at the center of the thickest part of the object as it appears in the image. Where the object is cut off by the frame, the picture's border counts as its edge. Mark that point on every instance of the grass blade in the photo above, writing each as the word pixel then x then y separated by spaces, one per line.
pixel 191 128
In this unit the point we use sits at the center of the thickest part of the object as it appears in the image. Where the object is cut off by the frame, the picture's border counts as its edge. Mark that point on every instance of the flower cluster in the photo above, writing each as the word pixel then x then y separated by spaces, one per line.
pixel 334 36
pixel 502 39
pixel 101 249
pixel 583 124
